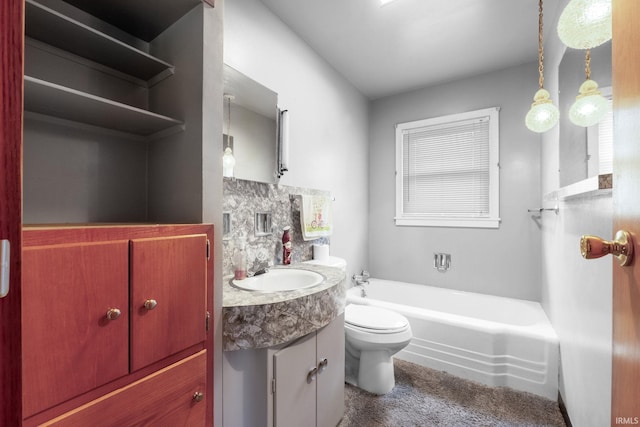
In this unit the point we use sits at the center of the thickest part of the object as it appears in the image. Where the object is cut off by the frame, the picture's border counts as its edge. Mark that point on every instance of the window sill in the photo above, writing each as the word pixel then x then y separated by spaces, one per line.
pixel 456 223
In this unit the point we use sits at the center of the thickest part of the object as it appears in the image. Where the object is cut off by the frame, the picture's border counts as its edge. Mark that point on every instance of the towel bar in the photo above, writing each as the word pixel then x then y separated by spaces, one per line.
pixel 540 210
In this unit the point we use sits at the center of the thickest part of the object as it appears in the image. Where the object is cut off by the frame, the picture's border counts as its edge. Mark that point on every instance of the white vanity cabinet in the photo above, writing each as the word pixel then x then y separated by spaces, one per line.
pixel 300 383
pixel 308 379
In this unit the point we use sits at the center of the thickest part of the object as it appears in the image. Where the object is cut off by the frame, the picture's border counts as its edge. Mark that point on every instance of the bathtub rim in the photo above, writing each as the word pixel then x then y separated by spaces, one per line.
pixel 542 329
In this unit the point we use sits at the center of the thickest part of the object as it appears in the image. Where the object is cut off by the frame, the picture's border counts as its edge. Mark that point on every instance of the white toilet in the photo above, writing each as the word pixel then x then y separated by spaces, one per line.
pixel 373 335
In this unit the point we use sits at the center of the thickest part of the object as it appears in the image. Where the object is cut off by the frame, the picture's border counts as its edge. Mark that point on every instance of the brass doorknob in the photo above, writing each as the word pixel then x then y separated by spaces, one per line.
pixel 150 304
pixel 620 247
pixel 198 396
pixel 113 313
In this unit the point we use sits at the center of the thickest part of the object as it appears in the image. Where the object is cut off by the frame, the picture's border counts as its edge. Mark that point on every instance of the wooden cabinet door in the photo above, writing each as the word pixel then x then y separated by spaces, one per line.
pixel 69 346
pixel 163 399
pixel 330 389
pixel 295 397
pixel 172 271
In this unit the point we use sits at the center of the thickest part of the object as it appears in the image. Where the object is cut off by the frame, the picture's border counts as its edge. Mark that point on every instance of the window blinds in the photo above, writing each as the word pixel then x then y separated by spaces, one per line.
pixel 446 170
pixel 605 142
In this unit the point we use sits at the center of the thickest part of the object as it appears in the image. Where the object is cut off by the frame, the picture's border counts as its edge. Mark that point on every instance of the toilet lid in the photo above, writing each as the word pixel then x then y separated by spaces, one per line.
pixel 366 316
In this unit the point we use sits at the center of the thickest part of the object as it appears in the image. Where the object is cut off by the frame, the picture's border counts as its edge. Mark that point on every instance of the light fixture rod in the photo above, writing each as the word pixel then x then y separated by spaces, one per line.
pixel 540 46
pixel 587 64
pixel 229 98
pixel 229 121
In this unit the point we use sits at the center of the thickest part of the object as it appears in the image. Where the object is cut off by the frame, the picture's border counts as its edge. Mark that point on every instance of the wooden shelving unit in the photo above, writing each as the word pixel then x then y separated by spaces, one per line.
pixel 112 117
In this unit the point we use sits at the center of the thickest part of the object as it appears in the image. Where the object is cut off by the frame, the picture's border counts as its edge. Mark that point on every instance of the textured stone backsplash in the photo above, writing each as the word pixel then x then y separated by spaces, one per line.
pixel 242 200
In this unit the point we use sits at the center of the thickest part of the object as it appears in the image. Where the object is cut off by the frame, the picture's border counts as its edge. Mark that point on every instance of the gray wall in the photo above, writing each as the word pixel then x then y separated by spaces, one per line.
pixel 504 261
pixel 328 124
pixel 576 294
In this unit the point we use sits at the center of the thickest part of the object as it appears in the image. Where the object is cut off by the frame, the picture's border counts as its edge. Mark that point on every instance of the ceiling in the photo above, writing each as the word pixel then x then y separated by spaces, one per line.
pixel 409 44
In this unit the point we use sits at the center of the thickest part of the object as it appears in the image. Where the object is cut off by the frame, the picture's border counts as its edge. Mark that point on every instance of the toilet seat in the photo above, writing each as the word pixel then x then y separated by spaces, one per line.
pixel 375 320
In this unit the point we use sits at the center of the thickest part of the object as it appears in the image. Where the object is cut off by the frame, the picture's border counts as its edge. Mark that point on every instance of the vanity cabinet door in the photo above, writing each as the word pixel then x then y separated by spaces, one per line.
pixel 309 379
pixel 69 344
pixel 330 358
pixel 168 296
pixel 295 397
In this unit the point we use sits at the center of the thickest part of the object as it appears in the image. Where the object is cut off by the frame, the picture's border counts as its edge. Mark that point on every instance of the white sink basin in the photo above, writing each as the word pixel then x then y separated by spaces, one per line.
pixel 277 280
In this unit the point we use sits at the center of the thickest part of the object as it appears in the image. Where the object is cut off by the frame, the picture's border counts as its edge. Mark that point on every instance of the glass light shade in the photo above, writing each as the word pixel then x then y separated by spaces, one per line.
pixel 228 162
pixel 585 24
pixel 590 106
pixel 543 115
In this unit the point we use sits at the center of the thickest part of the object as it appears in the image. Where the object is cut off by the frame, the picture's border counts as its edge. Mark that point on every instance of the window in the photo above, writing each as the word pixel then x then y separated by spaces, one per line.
pixel 447 171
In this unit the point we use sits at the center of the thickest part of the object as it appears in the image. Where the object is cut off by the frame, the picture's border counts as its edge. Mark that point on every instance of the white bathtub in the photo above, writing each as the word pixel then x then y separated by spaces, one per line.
pixel 493 340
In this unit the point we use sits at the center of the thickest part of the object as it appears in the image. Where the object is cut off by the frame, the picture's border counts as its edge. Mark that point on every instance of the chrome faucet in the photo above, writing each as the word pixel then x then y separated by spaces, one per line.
pixel 259 272
pixel 361 280
pixel 263 268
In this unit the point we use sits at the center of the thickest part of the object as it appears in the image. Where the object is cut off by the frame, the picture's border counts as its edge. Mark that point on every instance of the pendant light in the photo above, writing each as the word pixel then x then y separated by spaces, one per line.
pixel 228 161
pixel 543 115
pixel 585 24
pixel 590 106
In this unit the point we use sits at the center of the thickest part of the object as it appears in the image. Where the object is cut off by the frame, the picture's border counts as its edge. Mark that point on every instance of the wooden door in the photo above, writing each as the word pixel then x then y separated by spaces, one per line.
pixel 69 345
pixel 625 404
pixel 294 403
pixel 171 271
pixel 12 52
pixel 330 359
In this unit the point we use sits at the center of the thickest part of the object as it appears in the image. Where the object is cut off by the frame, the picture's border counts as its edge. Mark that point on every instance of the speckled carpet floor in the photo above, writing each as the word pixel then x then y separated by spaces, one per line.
pixel 425 397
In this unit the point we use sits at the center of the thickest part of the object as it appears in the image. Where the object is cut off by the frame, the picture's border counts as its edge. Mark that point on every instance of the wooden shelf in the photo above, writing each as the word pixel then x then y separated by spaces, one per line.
pixel 58 101
pixel 56 29
pixel 145 19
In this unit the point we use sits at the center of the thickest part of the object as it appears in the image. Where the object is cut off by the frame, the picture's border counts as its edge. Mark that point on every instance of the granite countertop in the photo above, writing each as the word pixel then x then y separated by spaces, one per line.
pixel 253 319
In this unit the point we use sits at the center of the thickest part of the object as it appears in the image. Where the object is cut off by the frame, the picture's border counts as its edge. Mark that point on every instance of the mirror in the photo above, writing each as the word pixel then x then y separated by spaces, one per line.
pixel 254 127
pixel 581 154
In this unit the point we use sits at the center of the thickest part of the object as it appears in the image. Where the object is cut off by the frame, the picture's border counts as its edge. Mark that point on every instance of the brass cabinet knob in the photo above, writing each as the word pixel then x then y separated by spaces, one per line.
pixel 198 396
pixel 620 247
pixel 150 304
pixel 113 313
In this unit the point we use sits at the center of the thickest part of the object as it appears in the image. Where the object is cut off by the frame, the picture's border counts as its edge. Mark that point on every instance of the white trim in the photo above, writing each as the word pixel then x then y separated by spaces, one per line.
pixel 449 222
